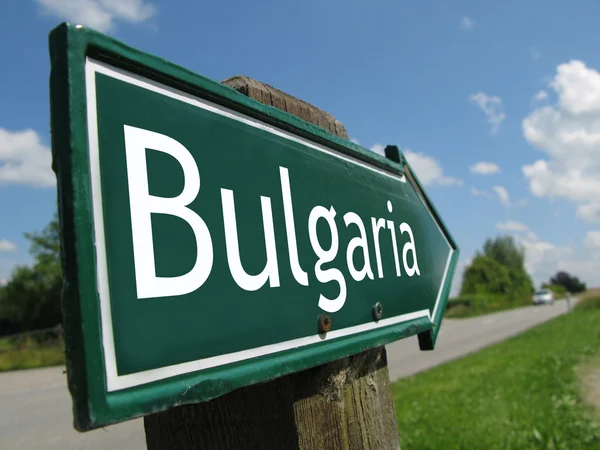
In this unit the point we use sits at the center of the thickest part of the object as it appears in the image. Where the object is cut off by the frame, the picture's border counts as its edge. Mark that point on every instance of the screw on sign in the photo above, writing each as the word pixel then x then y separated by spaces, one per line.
pixel 229 205
pixel 377 311
pixel 324 323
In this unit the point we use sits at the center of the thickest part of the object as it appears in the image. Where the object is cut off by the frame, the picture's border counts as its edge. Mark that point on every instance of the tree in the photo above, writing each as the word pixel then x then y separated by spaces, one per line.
pixel 499 270
pixel 570 283
pixel 505 251
pixel 31 298
pixel 486 275
pixel 521 283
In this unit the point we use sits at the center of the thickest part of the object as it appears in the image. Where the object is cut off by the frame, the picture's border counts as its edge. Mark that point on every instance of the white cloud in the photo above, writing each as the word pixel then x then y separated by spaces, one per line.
pixel 534 52
pixel 99 14
pixel 492 108
pixel 578 88
pixel 467 23
pixel 544 259
pixel 568 133
pixel 540 95
pixel 378 148
pixel 589 212
pixel 541 258
pixel 522 202
pixel 516 228
pixel 355 141
pixel 24 159
pixel 458 276
pixel 502 195
pixel 484 168
pixel 428 169
pixel 512 225
pixel 7 246
pixel 592 239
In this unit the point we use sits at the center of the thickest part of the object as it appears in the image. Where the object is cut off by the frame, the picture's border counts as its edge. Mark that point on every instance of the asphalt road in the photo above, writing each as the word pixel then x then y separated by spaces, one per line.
pixel 35 406
pixel 459 337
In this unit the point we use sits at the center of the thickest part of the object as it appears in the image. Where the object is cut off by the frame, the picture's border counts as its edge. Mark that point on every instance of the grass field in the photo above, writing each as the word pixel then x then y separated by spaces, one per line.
pixel 30 355
pixel 32 358
pixel 589 300
pixel 521 394
pixel 5 343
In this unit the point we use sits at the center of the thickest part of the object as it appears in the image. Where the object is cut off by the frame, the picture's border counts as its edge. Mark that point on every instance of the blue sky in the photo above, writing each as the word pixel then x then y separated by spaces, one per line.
pixel 514 85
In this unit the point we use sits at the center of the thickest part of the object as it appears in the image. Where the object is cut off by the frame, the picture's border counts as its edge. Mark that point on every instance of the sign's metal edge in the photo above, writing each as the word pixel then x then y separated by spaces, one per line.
pixel 428 339
pixel 61 102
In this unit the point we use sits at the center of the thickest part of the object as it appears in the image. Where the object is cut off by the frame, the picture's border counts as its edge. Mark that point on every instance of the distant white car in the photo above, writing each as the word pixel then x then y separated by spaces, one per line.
pixel 544 296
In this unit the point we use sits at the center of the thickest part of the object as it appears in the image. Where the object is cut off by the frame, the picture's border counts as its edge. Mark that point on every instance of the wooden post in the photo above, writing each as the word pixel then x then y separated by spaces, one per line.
pixel 346 404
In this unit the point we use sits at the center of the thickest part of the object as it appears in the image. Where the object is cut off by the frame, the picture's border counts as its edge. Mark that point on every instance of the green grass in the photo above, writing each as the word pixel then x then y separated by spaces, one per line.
pixel 32 357
pixel 5 343
pixel 520 394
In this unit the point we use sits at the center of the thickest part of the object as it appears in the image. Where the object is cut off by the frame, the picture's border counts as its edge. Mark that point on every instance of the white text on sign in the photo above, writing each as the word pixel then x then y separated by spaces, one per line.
pixel 138 141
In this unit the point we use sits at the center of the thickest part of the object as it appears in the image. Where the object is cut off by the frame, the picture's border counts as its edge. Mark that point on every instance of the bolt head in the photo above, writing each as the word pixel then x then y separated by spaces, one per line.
pixel 377 311
pixel 324 323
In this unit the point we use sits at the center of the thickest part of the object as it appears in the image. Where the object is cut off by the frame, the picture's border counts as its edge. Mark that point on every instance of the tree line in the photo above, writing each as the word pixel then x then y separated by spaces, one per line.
pixel 498 271
pixel 31 298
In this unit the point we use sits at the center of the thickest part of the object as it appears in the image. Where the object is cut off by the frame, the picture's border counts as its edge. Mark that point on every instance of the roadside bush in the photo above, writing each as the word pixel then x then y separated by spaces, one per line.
pixel 465 306
pixel 475 305
pixel 460 310
pixel 499 270
pixel 460 301
pixel 521 285
pixel 486 275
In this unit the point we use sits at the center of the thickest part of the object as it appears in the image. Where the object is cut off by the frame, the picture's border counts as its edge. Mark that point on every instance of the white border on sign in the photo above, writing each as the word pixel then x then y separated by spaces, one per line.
pixel 117 382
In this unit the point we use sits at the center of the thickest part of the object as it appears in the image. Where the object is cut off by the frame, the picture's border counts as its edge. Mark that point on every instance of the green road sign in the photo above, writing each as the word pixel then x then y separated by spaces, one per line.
pixel 210 242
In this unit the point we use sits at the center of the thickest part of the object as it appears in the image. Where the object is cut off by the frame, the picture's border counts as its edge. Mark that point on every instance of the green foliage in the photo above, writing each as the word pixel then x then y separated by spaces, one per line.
pixel 558 289
pixel 478 305
pixel 505 251
pixel 31 299
pixel 571 283
pixel 520 394
pixel 461 301
pixel 486 275
pixel 499 270
pixel 32 357
pixel 40 348
pixel 521 283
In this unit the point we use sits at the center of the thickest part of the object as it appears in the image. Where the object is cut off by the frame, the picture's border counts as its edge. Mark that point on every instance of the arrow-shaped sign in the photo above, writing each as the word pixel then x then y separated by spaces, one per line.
pixel 211 242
